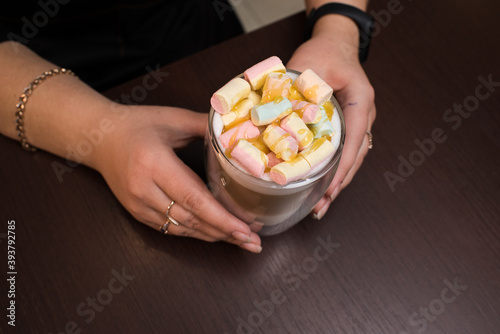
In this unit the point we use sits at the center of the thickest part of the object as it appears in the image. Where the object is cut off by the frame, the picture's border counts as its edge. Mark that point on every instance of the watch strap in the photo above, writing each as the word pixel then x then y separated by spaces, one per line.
pixel 363 20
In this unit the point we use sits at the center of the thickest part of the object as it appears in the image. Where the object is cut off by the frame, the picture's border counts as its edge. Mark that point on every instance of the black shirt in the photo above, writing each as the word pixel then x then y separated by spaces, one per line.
pixel 107 42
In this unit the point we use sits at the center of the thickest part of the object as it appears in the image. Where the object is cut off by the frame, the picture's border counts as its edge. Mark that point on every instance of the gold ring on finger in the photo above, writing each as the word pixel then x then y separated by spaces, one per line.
pixel 169 218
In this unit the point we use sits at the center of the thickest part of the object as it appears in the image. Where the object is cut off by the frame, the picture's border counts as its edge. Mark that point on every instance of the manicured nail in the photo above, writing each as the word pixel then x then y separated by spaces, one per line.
pixel 241 236
pixel 252 247
pixel 321 212
pixel 335 193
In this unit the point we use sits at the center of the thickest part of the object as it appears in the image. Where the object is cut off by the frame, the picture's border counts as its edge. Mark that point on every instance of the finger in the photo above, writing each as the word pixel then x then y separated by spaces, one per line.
pixel 198 123
pixel 321 207
pixel 256 227
pixel 355 131
pixel 192 226
pixel 191 122
pixel 358 162
pixel 333 190
pixel 155 200
pixel 189 191
pixel 177 126
pixel 157 220
pixel 183 231
pixel 155 216
pixel 324 203
pixel 355 143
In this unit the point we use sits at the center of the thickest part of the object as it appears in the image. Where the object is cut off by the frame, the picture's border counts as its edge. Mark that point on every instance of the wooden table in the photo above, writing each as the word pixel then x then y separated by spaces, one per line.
pixel 411 246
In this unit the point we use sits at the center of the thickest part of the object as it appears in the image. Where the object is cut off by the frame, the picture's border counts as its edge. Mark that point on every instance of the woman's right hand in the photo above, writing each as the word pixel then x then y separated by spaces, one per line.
pixel 138 161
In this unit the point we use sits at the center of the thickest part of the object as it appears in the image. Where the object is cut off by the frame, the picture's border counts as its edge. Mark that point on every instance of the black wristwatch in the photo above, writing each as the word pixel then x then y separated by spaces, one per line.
pixel 363 20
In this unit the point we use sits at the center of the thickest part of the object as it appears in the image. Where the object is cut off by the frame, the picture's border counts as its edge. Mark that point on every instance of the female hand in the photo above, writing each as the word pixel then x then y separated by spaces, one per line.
pixel 139 164
pixel 335 59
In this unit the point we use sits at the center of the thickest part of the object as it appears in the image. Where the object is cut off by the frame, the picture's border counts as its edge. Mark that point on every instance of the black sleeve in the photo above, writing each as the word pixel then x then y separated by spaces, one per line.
pixel 3 33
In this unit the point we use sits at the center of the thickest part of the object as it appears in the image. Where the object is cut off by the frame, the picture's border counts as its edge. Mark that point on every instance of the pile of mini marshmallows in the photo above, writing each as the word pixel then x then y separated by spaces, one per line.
pixel 272 124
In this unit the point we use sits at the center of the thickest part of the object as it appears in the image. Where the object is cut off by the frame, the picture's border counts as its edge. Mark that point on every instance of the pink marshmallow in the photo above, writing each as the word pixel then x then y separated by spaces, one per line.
pixel 273 159
pixel 250 157
pixel 217 104
pixel 256 75
pixel 245 130
pixel 309 112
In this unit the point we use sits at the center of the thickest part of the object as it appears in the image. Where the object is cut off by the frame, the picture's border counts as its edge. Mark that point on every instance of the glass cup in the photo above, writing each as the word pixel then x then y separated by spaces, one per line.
pixel 252 199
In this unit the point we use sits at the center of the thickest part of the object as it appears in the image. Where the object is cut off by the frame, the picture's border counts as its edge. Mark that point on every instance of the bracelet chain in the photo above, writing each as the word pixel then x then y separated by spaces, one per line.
pixel 21 106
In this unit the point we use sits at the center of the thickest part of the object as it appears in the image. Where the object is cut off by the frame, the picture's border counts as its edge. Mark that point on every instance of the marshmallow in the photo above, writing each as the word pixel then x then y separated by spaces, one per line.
pixel 280 142
pixel 297 128
pixel 264 114
pixel 314 89
pixel 238 112
pixel 259 143
pixel 273 160
pixel 289 171
pixel 274 128
pixel 256 75
pixel 329 109
pixel 245 130
pixel 254 97
pixel 276 84
pixel 324 127
pixel 320 150
pixel 308 112
pixel 295 169
pixel 250 157
pixel 294 94
pixel 228 95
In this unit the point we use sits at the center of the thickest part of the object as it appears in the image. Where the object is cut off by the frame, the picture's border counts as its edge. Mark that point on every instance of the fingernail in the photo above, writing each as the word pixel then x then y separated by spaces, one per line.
pixel 335 193
pixel 256 227
pixel 321 212
pixel 241 236
pixel 252 247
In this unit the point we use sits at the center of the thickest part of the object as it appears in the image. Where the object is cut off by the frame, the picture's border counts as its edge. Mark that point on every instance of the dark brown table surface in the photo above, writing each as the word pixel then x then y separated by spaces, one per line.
pixel 423 257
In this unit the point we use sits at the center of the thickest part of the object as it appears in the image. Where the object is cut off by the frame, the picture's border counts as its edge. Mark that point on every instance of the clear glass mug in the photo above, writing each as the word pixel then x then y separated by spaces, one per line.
pixel 252 199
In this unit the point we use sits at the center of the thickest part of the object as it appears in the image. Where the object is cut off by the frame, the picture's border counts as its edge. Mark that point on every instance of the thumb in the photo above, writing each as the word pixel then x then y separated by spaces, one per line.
pixel 190 122
pixel 197 123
